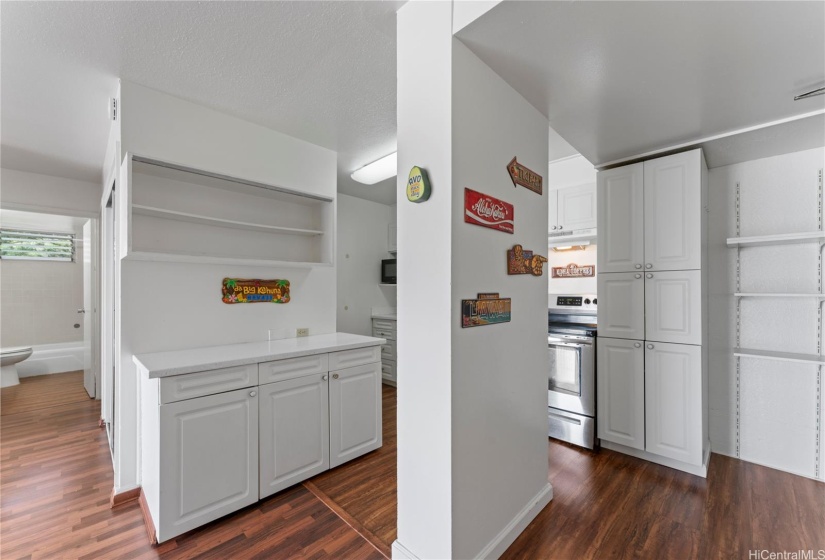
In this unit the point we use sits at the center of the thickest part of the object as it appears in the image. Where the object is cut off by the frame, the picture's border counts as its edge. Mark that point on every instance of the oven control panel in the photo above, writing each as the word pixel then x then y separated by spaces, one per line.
pixel 575 302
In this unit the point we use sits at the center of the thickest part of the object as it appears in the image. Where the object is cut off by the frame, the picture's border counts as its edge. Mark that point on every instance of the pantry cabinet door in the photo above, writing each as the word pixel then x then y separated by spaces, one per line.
pixel 553 212
pixel 620 385
pixel 355 412
pixel 208 459
pixel 294 431
pixel 673 306
pixel 673 401
pixel 621 312
pixel 673 212
pixel 621 219
pixel 577 207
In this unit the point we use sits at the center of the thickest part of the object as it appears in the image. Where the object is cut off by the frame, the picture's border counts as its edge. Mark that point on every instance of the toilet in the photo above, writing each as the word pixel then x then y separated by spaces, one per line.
pixel 9 358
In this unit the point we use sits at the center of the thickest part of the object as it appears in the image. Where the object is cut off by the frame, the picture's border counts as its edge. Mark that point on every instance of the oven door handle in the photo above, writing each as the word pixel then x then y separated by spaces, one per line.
pixel 571 344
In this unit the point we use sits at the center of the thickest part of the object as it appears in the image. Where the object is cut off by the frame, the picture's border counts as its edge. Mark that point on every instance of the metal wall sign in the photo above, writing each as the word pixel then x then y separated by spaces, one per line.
pixel 520 175
pixel 487 211
pixel 238 290
pixel 573 270
pixel 520 261
pixel 486 309
pixel 418 185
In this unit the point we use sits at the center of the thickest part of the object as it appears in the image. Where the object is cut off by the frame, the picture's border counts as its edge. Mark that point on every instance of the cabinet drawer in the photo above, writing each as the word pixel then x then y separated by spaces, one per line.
pixel 383 328
pixel 281 370
pixel 352 358
pixel 388 371
pixel 388 351
pixel 191 385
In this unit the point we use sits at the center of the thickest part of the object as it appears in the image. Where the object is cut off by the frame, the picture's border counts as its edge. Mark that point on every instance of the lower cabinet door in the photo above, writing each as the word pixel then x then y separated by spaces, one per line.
pixel 355 412
pixel 208 459
pixel 294 431
pixel 620 387
pixel 621 305
pixel 673 401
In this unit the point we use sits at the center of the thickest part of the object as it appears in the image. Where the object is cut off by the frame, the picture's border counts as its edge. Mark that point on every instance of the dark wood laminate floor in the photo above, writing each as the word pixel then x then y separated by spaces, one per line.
pixel 43 391
pixel 55 479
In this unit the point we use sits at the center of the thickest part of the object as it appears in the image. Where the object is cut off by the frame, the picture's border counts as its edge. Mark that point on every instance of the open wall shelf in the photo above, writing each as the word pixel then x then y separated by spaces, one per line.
pixel 778 295
pixel 781 239
pixel 196 219
pixel 780 356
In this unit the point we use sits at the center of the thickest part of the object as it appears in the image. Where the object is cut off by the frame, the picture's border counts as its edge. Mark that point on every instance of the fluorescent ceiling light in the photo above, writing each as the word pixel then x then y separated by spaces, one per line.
pixel 579 246
pixel 378 170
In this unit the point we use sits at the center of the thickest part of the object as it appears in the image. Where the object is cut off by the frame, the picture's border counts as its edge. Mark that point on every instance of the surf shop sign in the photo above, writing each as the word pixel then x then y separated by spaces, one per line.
pixel 239 290
pixel 486 309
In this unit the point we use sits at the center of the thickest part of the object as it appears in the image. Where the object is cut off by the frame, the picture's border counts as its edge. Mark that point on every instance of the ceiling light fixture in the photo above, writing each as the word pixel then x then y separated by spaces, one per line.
pixel 378 170
pixel 812 93
pixel 581 247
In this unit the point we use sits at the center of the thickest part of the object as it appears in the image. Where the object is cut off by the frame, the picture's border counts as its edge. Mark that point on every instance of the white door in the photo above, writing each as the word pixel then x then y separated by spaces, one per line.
pixel 673 212
pixel 87 313
pixel 294 431
pixel 673 401
pixel 355 412
pixel 621 311
pixel 553 211
pixel 621 219
pixel 673 306
pixel 577 207
pixel 208 459
pixel 620 387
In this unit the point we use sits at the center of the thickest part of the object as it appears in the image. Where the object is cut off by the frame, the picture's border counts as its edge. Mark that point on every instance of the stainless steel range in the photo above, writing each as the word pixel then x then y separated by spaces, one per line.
pixel 571 341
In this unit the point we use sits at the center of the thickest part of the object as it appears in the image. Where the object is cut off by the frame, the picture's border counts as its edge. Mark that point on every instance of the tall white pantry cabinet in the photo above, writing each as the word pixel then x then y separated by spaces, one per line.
pixel 652 285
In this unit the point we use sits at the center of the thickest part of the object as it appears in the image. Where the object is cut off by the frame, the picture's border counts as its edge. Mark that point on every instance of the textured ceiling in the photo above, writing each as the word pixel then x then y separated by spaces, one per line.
pixel 320 71
pixel 617 79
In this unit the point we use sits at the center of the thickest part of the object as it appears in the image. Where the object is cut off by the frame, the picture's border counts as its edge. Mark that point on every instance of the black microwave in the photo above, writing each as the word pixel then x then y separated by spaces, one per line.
pixel 388 274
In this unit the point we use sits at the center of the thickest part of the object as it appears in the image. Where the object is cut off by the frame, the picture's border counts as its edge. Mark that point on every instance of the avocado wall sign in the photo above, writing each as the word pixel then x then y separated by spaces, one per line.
pixel 418 185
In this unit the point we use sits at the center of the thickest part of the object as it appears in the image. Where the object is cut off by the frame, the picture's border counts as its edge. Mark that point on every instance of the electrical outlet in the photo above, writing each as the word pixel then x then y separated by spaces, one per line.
pixel 302 332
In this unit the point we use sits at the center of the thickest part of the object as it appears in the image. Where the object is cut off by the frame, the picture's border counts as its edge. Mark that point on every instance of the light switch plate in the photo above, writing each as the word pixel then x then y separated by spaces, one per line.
pixel 302 332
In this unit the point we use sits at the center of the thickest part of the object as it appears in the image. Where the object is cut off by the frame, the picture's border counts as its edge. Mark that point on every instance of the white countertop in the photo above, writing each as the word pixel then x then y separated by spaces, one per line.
pixel 178 362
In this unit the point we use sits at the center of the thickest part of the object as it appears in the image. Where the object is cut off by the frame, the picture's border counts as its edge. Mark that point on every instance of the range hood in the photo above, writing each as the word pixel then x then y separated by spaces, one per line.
pixel 564 238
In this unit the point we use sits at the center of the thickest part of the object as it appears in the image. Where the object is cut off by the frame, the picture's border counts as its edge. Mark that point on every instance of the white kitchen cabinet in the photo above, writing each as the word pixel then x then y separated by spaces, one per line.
pixel 621 392
pixel 673 306
pixel 673 401
pixel 294 431
pixel 386 328
pixel 355 412
pixel 208 459
pixel 673 212
pixel 572 208
pixel 621 219
pixel 621 312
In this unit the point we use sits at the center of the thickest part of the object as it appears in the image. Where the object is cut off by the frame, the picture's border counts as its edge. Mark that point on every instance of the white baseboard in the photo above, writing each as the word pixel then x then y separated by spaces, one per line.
pixel 518 524
pixel 698 470
pixel 505 538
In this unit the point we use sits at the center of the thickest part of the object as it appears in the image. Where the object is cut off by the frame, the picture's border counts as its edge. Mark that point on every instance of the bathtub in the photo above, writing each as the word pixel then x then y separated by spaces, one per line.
pixel 52 358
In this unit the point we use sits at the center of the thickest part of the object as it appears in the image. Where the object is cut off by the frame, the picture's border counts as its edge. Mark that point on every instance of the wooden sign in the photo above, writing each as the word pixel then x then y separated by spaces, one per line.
pixel 486 309
pixel 237 290
pixel 520 261
pixel 418 185
pixel 487 211
pixel 573 270
pixel 520 175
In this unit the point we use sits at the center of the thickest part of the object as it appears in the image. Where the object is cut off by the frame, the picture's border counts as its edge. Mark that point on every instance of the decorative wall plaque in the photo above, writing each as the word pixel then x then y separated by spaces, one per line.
pixel 520 175
pixel 418 185
pixel 237 290
pixel 520 261
pixel 486 309
pixel 573 270
pixel 487 211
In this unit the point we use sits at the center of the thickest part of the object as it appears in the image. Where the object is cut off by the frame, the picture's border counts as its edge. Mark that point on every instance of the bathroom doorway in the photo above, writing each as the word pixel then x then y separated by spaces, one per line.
pixel 48 311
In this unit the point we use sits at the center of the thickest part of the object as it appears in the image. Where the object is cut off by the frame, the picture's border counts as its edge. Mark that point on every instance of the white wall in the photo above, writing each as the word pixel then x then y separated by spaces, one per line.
pixel 499 372
pixel 571 285
pixel 20 190
pixel 362 243
pixel 472 407
pixel 167 306
pixel 778 400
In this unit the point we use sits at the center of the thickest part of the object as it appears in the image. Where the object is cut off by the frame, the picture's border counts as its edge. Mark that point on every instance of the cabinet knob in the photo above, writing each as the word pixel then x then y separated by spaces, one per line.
pixel 325 377
pixel 637 345
pixel 648 265
pixel 252 393
pixel 650 276
pixel 638 266
pixel 555 227
pixel 650 347
pixel 335 376
pixel 638 276
pixel 560 227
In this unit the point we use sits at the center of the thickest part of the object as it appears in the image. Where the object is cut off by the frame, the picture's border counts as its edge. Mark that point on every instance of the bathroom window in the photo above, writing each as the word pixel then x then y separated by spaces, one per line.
pixel 36 245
